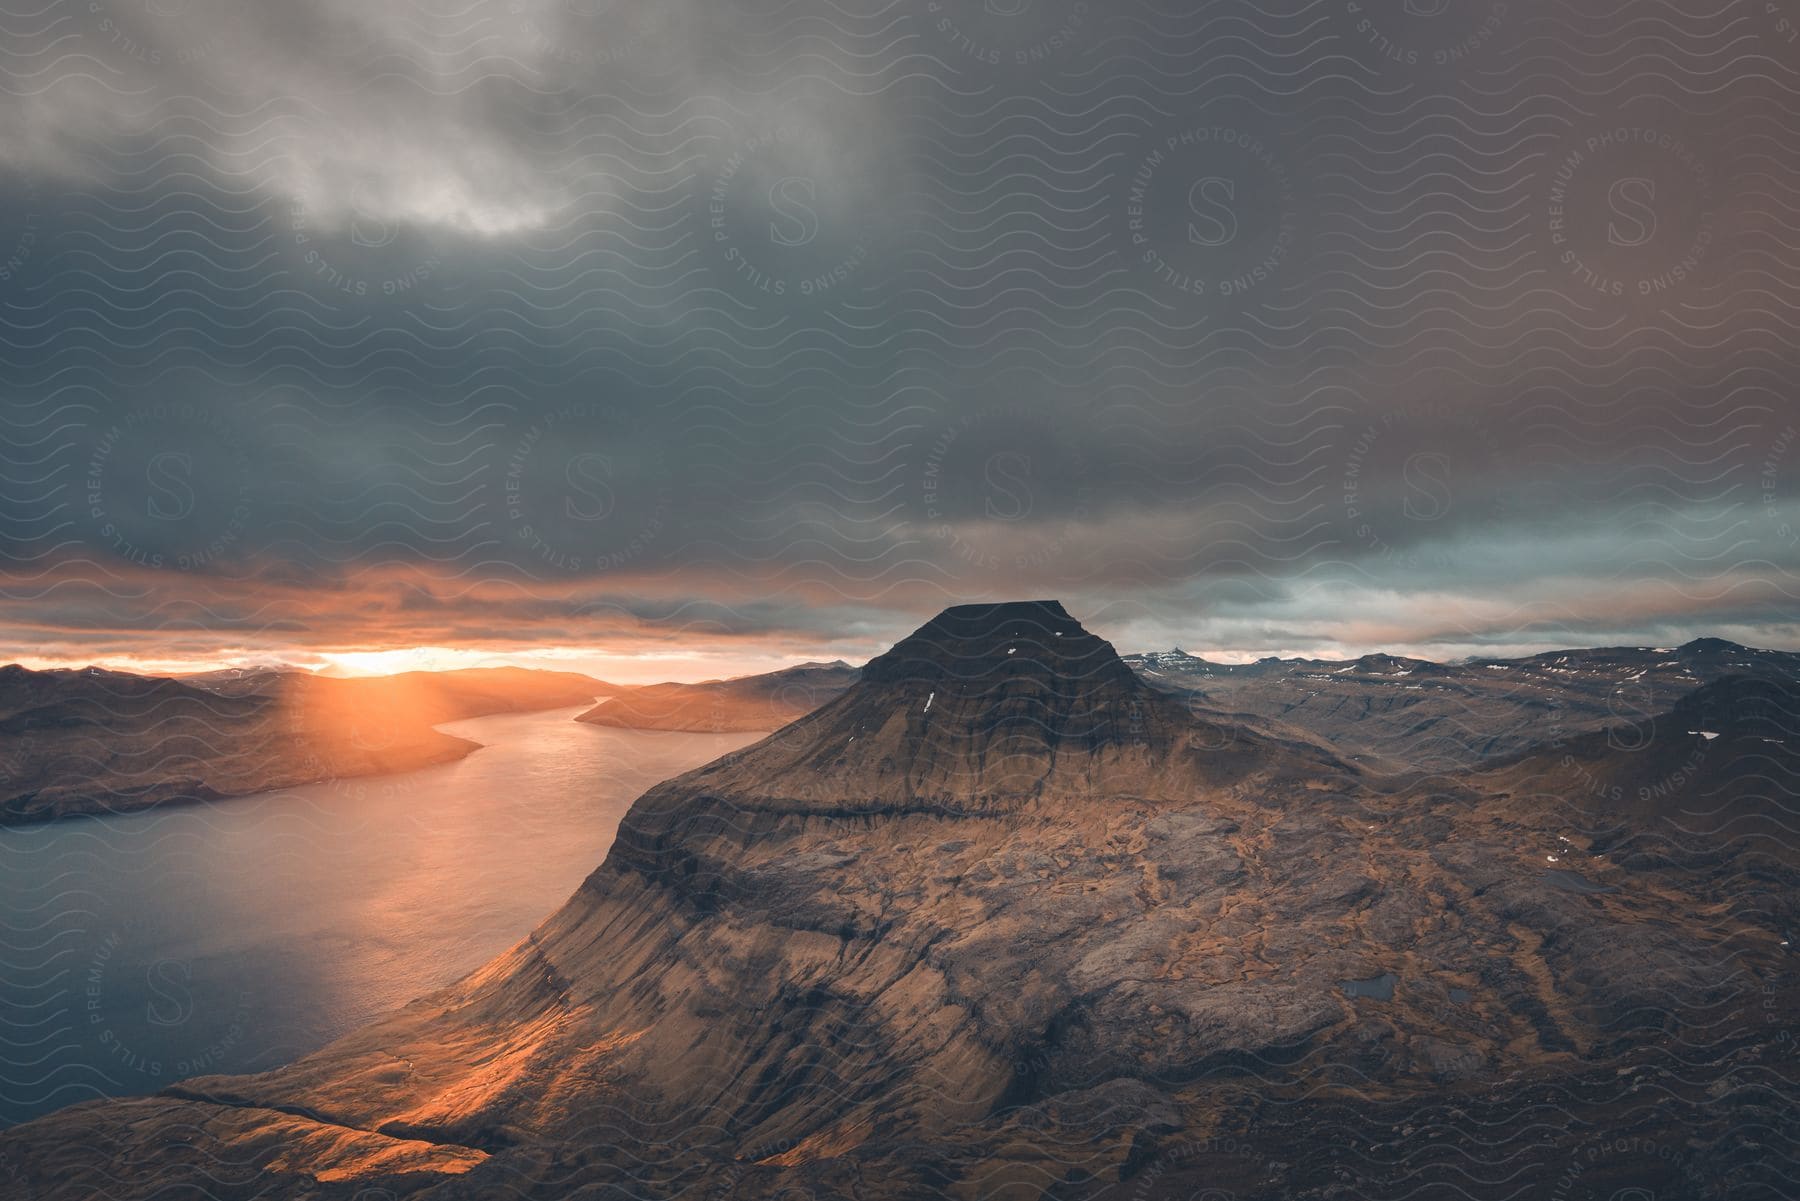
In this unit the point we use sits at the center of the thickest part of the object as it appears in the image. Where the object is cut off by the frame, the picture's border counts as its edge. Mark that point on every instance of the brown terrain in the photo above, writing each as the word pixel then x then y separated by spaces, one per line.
pixel 1395 714
pixel 1002 921
pixel 760 702
pixel 78 743
pixel 81 743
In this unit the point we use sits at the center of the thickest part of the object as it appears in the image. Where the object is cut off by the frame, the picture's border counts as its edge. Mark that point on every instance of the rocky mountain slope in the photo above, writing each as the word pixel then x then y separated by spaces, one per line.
pixel 76 743
pixel 1393 713
pixel 760 702
pixel 1002 921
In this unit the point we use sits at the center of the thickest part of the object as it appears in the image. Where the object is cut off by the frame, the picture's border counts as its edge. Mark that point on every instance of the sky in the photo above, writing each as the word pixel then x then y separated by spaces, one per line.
pixel 683 339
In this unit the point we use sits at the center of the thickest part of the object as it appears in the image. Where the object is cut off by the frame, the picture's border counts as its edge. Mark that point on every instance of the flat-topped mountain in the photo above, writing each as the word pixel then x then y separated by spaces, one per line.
pixel 992 707
pixel 75 743
pixel 1004 921
pixel 1396 714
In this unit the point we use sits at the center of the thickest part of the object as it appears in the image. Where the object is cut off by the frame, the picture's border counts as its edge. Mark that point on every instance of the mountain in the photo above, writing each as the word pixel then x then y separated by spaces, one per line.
pixel 236 681
pixel 759 702
pixel 1722 764
pixel 1397 714
pixel 440 696
pixel 76 743
pixel 1003 921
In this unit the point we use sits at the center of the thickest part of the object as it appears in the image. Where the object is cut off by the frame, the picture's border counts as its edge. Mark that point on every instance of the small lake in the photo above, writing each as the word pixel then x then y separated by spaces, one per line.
pixel 237 936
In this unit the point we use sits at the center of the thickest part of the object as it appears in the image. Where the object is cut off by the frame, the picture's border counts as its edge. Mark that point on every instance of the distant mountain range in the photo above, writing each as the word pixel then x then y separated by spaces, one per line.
pixel 1398 714
pixel 84 742
pixel 1003 919
pixel 96 741
pixel 760 702
pixel 1387 712
pixel 92 741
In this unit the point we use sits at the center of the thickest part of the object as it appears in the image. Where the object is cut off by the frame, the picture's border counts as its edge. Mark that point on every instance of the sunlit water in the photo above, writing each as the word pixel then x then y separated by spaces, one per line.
pixel 235 937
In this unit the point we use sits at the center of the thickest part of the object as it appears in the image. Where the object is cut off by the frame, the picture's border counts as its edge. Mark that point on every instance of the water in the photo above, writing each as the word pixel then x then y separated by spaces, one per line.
pixel 1379 988
pixel 138 950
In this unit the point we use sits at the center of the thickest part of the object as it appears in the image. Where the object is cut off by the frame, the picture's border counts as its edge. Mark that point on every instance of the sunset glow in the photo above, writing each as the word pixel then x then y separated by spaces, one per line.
pixel 646 668
pixel 983 600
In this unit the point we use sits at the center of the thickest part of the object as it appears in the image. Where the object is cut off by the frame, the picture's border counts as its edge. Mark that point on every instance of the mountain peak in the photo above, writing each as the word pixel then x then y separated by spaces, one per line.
pixel 1709 646
pixel 978 647
pixel 983 706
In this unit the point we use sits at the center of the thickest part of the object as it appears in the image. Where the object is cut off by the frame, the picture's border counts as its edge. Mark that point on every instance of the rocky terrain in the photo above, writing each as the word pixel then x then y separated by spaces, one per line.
pixel 1003 921
pixel 76 743
pixel 747 703
pixel 1394 713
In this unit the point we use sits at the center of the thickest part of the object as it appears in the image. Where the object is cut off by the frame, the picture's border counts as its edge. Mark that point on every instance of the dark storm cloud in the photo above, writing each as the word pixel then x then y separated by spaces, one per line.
pixel 1253 326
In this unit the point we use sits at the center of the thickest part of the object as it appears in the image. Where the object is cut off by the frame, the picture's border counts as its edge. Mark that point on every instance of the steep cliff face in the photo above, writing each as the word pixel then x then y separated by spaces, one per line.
pixel 999 921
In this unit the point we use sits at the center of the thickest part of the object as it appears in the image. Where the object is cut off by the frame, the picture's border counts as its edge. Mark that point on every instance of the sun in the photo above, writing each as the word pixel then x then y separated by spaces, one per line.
pixel 402 659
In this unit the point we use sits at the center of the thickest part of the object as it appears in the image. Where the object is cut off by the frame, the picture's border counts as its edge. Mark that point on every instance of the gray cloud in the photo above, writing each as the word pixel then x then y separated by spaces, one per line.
pixel 1258 327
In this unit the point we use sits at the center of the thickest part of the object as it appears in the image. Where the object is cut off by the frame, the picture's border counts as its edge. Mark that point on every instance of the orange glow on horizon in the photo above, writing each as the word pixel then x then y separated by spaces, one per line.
pixel 642 667
pixel 392 619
